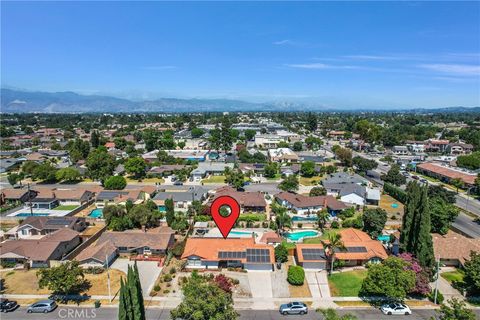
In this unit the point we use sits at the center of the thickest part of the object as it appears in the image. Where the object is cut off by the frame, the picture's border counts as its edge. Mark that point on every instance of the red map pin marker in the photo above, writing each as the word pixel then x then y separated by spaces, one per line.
pixel 225 224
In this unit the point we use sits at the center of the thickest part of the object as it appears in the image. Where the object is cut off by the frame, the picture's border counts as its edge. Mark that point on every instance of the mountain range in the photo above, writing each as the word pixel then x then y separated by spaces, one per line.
pixel 18 101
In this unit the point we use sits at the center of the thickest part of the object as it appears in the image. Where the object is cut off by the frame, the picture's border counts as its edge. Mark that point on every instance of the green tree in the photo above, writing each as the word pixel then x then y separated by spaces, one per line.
pixel 471 161
pixel 317 191
pixel 45 172
pixel 394 176
pixel 374 221
pixel 442 215
pixel 344 155
pixel 307 169
pixel 311 122
pixel 67 174
pixel 457 183
pixel 415 235
pixel 67 278
pixel 296 275
pixel 197 133
pixel 322 218
pixel 297 146
pixel 333 243
pixel 472 274
pixel 281 253
pixel 282 219
pixel 115 183
pixel 215 139
pixel 131 305
pixel 235 178
pixel 249 134
pixel 331 314
pixel 270 170
pixel 313 143
pixel 363 165
pixel 215 303
pixel 390 279
pixel 170 211
pixel 13 178
pixel 100 164
pixel 136 166
pixel 455 310
pixel 28 167
pixel 95 139
pixel 289 184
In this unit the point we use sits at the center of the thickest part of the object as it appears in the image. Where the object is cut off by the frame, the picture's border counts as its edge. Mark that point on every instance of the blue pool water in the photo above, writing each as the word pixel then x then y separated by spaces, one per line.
pixel 394 205
pixel 296 219
pixel 96 213
pixel 239 233
pixel 295 236
pixel 28 214
pixel 383 238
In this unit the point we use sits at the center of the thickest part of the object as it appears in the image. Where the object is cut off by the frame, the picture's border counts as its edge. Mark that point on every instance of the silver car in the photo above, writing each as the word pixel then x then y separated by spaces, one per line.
pixel 293 308
pixel 42 306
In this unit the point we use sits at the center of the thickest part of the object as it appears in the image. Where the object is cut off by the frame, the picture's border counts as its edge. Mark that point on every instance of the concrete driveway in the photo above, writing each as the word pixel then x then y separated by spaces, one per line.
pixel 260 284
pixel 148 270
pixel 318 284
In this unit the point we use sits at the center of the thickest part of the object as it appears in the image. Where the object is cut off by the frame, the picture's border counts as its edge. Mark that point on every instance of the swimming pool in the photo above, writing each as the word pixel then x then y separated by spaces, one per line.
pixel 394 205
pixel 96 213
pixel 28 214
pixel 383 238
pixel 297 218
pixel 240 233
pixel 295 236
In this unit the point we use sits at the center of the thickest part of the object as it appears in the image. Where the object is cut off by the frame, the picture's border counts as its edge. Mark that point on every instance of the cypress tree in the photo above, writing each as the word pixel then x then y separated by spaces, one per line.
pixel 424 245
pixel 408 217
pixel 131 306
pixel 122 307
pixel 139 292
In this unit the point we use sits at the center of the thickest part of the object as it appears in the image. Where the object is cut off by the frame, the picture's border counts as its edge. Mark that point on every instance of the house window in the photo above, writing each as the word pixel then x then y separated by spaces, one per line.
pixel 24 232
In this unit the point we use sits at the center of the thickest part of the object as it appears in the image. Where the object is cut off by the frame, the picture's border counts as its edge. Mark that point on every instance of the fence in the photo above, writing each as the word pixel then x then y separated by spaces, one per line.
pixel 84 244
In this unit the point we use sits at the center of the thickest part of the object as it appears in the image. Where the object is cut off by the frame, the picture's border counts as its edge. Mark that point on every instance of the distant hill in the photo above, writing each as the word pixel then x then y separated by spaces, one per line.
pixel 17 101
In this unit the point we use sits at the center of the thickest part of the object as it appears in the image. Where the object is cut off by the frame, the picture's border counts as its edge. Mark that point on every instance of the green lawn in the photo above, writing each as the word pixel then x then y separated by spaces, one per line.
pixel 346 284
pixel 288 245
pixel 66 207
pixel 452 276
pixel 276 177
pixel 214 179
pixel 315 240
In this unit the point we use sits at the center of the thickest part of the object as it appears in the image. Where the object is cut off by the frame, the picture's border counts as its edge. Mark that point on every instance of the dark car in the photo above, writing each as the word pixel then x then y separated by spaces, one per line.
pixel 7 305
pixel 178 183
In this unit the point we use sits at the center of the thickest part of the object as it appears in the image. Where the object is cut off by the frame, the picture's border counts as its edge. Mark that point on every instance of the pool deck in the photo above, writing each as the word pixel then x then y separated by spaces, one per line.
pixel 51 213
pixel 215 233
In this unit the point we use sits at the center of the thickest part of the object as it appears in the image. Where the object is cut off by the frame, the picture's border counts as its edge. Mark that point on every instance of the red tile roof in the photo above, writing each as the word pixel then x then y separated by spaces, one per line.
pixel 301 201
pixel 447 172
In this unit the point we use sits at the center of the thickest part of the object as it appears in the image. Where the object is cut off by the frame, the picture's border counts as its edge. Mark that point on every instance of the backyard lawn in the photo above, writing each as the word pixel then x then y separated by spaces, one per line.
pixel 214 179
pixel 313 181
pixel 346 284
pixel 66 207
pixel 452 276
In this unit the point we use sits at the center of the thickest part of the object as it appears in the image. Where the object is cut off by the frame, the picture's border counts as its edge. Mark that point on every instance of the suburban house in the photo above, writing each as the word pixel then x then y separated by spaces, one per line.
pixel 107 197
pixel 433 145
pixel 282 155
pixel 359 249
pixel 209 168
pixel 453 249
pixel 39 252
pixel 73 196
pixel 446 174
pixel 99 255
pixel 182 198
pixel 256 169
pixel 335 182
pixel 359 195
pixel 165 169
pixel 248 201
pixel 154 242
pixel 40 226
pixel 308 205
pixel 16 195
pixel 45 199
pixel 268 141
pixel 215 253
pixel 400 150
pixel 459 148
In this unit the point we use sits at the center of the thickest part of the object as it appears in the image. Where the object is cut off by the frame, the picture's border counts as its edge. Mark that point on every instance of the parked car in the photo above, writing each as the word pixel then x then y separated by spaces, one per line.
pixel 293 308
pixel 178 183
pixel 396 308
pixel 42 306
pixel 7 305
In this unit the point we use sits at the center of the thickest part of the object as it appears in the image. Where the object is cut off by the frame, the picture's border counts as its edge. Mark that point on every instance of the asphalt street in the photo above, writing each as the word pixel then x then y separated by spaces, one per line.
pixel 164 314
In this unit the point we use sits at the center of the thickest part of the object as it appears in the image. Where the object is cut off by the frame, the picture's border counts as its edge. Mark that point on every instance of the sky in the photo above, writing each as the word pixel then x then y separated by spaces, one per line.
pixel 340 54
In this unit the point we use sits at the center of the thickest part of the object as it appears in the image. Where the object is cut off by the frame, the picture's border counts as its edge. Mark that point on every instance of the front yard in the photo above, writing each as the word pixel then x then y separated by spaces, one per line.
pixel 346 284
pixel 26 282
pixel 313 181
pixel 66 207
pixel 214 179
pixel 453 276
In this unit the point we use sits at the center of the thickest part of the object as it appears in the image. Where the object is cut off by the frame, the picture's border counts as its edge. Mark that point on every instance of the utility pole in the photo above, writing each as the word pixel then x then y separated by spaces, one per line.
pixel 108 281
pixel 436 281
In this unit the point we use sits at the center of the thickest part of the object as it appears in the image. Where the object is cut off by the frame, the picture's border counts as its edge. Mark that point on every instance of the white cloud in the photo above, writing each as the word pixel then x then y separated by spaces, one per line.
pixel 457 69
pixel 284 42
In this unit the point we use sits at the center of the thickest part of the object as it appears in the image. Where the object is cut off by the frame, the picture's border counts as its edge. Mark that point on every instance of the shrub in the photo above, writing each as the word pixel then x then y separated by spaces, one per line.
pixel 440 298
pixel 166 291
pixel 296 275
pixel 167 277
pixel 235 281
pixel 281 253
pixel 172 270
pixel 223 283
pixel 7 264
pixel 94 270
pixel 156 288
pixel 178 248
pixel 97 304
pixel 335 224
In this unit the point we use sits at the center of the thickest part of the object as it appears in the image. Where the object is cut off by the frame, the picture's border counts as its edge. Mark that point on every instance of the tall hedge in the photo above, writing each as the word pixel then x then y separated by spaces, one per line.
pixel 296 275
pixel 395 192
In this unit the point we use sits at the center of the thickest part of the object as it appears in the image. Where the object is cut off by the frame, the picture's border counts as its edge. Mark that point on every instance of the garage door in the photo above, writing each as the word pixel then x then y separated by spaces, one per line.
pixel 258 266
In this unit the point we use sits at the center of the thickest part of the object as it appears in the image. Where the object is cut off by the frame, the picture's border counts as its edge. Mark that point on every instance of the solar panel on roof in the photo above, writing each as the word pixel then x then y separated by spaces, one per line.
pixel 258 255
pixel 356 249
pixel 313 254
pixel 231 255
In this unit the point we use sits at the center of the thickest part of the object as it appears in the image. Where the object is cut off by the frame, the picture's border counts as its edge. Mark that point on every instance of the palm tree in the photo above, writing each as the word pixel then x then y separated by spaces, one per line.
pixel 282 219
pixel 322 218
pixel 334 242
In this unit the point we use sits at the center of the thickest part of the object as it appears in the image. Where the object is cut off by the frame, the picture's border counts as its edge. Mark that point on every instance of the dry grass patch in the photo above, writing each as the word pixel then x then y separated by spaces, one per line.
pixel 313 181
pixel 386 202
pixel 26 282
pixel 353 304
pixel 302 291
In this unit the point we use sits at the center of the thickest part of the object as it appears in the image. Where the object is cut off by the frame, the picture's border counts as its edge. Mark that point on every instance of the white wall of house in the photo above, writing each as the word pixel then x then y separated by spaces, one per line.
pixel 353 198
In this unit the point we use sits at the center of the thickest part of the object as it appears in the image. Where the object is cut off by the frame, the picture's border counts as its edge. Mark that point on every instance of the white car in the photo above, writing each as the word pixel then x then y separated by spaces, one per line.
pixel 396 308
